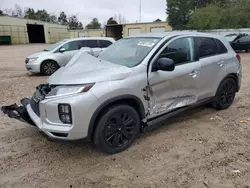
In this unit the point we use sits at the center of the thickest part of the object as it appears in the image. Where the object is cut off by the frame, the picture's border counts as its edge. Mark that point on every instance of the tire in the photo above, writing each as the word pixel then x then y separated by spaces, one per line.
pixel 225 95
pixel 117 128
pixel 48 67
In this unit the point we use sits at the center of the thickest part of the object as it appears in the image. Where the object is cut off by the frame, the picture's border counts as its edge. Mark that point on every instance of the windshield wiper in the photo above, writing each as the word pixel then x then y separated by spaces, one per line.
pixel 45 50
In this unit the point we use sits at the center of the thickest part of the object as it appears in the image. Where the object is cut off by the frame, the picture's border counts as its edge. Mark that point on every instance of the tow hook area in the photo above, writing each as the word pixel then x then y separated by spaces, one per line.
pixel 18 112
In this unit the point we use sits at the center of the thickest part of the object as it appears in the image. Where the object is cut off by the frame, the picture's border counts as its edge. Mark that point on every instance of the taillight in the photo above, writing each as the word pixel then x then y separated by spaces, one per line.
pixel 239 58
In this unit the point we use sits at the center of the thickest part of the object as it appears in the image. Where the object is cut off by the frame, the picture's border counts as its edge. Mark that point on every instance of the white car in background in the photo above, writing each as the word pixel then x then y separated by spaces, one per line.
pixel 59 54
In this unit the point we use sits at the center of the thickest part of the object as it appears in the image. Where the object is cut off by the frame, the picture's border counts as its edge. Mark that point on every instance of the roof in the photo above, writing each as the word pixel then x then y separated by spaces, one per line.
pixel 13 17
pixel 172 33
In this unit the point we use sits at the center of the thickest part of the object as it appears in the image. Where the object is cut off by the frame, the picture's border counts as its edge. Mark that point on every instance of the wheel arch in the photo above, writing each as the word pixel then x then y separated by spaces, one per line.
pixel 131 100
pixel 234 76
pixel 48 60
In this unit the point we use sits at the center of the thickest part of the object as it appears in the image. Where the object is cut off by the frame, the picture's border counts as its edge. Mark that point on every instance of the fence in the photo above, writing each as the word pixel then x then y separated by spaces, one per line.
pixel 57 34
pixel 18 33
pixel 223 32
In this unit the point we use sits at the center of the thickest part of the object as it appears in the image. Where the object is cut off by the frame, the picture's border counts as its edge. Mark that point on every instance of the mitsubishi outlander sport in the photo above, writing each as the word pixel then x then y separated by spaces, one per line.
pixel 135 84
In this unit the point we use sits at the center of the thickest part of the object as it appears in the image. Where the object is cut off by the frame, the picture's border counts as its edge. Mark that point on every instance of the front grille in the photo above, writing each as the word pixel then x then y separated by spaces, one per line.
pixel 40 94
pixel 27 60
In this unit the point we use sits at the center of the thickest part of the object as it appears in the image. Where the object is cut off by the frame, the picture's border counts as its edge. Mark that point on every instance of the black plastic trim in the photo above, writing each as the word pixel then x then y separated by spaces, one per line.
pixel 156 122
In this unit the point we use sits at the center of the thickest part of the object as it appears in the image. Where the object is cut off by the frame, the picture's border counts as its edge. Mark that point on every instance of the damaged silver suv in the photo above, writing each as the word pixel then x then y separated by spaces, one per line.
pixel 132 86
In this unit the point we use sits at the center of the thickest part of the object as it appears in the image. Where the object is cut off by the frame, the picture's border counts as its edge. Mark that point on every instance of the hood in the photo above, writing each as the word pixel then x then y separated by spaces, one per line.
pixel 88 69
pixel 38 54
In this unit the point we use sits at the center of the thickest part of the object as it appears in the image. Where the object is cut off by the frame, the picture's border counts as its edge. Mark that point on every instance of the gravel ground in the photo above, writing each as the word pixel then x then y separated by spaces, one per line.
pixel 204 148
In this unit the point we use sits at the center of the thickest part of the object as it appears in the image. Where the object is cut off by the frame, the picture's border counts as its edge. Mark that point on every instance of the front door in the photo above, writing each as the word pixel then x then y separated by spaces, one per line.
pixel 179 88
pixel 71 48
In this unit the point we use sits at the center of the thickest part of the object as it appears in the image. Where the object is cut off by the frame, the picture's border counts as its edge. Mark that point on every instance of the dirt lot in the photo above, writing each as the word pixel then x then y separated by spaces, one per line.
pixel 203 149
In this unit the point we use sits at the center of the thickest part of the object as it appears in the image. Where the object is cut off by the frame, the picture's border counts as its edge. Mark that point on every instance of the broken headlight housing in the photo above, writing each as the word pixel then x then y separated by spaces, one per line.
pixel 60 91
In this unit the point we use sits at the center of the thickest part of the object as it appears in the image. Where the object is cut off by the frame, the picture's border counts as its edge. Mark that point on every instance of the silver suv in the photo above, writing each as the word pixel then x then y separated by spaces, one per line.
pixel 135 84
pixel 59 54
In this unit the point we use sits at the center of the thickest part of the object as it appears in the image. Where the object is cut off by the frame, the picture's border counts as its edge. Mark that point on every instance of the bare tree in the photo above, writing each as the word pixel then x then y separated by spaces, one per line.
pixel 120 19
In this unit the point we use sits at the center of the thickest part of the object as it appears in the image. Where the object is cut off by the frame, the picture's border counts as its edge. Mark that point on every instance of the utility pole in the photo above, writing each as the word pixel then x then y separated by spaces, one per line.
pixel 140 12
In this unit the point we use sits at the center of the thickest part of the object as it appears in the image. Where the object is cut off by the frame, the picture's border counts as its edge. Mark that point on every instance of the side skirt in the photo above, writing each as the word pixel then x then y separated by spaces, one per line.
pixel 156 122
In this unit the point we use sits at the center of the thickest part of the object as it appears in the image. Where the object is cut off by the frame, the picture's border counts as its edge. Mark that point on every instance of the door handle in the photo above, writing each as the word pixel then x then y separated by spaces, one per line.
pixel 221 63
pixel 194 73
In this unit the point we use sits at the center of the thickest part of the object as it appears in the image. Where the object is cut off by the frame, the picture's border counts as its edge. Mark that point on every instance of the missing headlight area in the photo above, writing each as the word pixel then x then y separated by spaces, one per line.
pixel 19 112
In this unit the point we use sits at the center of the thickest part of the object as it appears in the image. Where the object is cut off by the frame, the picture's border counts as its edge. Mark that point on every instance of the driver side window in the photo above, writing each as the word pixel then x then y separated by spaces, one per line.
pixel 180 51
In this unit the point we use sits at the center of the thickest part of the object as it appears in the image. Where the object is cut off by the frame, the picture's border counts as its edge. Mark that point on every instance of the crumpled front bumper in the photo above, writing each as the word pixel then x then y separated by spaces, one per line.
pixel 26 113
pixel 19 112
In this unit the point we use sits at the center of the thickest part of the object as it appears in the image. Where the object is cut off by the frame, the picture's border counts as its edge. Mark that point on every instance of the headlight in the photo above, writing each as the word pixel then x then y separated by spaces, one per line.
pixel 33 59
pixel 68 90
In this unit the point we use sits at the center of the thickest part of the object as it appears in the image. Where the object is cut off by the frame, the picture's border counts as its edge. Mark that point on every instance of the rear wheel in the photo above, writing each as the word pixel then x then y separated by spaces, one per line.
pixel 248 49
pixel 48 67
pixel 225 94
pixel 117 128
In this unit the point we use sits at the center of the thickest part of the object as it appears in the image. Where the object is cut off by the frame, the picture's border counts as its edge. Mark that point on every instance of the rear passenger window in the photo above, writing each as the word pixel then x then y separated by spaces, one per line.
pixel 104 43
pixel 221 47
pixel 90 43
pixel 180 51
pixel 207 47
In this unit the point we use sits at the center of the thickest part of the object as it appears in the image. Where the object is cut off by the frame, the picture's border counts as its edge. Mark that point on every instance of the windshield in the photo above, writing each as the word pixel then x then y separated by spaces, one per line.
pixel 129 52
pixel 54 46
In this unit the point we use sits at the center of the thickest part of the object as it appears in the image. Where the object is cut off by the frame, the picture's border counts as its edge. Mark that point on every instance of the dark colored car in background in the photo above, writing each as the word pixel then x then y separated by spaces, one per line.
pixel 239 41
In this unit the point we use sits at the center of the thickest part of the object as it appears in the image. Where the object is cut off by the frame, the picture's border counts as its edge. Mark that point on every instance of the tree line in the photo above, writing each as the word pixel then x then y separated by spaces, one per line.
pixel 71 21
pixel 208 14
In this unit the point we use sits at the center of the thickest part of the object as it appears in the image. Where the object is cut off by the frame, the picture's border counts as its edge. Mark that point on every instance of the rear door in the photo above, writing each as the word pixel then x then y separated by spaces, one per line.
pixel 94 45
pixel 179 88
pixel 213 58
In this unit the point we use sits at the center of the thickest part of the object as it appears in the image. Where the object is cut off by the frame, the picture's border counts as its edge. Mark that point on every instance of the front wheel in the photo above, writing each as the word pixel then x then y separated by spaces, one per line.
pixel 117 128
pixel 48 67
pixel 225 94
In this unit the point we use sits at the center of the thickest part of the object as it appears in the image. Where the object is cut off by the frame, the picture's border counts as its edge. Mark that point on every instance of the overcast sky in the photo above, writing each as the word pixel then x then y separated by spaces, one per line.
pixel 102 9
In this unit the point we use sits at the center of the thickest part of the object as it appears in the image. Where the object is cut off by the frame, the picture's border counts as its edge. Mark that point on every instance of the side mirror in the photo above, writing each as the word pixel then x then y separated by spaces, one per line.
pixel 62 50
pixel 164 64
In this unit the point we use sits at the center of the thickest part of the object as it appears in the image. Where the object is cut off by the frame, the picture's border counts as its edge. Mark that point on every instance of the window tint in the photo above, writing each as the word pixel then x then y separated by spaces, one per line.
pixel 221 47
pixel 104 43
pixel 180 51
pixel 74 45
pixel 207 46
pixel 245 39
pixel 91 43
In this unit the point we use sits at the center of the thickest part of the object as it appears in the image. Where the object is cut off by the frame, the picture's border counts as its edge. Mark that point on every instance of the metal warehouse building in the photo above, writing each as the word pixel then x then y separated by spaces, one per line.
pixel 124 30
pixel 23 31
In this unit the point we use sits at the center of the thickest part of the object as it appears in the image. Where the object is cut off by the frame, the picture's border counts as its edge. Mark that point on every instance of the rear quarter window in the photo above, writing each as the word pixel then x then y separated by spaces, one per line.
pixel 221 49
pixel 105 43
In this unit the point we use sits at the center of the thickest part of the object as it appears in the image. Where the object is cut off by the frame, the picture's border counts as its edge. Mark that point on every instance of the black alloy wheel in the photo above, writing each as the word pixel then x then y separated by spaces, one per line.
pixel 121 128
pixel 226 94
pixel 117 129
